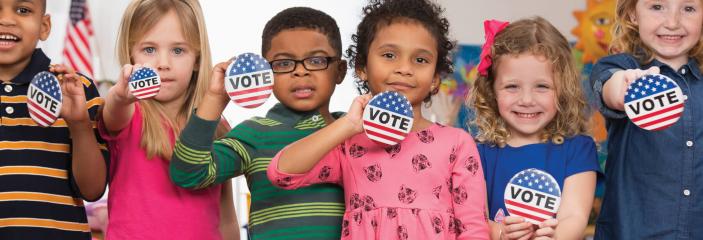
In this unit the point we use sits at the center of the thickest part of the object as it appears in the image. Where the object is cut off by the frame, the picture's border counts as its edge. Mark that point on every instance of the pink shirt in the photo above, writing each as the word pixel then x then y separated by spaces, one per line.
pixel 143 203
pixel 430 186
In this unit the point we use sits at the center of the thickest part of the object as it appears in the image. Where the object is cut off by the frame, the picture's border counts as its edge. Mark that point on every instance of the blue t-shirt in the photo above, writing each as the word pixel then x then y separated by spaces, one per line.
pixel 575 155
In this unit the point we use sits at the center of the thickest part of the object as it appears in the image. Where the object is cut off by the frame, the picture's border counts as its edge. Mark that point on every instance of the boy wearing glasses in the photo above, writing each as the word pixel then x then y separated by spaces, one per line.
pixel 303 46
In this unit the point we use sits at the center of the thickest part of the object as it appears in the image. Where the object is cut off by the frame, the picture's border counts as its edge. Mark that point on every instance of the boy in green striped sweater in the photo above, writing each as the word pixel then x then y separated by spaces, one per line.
pixel 304 48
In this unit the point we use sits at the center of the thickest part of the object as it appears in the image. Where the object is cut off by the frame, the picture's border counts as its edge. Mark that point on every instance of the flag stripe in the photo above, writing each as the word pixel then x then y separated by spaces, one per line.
pixel 637 119
pixel 528 207
pixel 384 128
pixel 235 93
pixel 672 117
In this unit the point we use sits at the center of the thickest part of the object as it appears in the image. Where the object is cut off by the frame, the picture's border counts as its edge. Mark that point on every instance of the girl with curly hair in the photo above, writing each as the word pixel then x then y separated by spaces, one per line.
pixel 428 186
pixel 531 113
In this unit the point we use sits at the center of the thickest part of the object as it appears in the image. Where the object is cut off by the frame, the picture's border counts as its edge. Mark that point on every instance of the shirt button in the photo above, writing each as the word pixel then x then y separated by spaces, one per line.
pixel 9 110
pixel 683 71
pixel 8 88
pixel 689 143
pixel 316 118
pixel 686 192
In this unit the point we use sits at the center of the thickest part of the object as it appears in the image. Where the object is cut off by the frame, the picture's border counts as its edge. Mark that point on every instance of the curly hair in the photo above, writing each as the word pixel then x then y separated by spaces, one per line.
pixel 381 13
pixel 538 37
pixel 626 38
pixel 302 17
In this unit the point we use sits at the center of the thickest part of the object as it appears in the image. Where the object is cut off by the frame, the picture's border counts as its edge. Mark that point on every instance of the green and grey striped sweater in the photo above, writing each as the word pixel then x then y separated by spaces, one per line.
pixel 313 212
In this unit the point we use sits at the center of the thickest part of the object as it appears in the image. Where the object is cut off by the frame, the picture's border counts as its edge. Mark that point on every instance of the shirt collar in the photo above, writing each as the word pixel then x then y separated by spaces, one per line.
pixel 691 66
pixel 284 114
pixel 38 63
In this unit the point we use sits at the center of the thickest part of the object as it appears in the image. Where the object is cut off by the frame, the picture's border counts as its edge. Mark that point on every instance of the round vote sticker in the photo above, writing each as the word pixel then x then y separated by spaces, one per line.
pixel 249 80
pixel 654 102
pixel 388 118
pixel 144 83
pixel 44 99
pixel 532 194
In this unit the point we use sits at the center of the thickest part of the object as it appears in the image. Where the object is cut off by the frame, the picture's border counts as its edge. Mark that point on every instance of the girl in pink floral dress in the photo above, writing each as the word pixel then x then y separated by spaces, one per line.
pixel 430 185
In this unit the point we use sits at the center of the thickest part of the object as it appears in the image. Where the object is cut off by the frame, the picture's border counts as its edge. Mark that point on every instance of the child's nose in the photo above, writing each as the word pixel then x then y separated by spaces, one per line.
pixel 300 70
pixel 163 62
pixel 404 68
pixel 673 19
pixel 6 19
pixel 526 98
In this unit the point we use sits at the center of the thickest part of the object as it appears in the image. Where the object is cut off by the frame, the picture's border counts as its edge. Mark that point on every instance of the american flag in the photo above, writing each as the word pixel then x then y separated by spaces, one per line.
pixel 392 103
pixel 148 75
pixel 77 48
pixel 45 86
pixel 249 64
pixel 521 195
pixel 651 91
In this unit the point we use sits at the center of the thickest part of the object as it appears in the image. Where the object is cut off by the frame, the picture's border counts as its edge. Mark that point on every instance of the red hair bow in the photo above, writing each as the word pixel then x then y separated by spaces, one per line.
pixel 491 27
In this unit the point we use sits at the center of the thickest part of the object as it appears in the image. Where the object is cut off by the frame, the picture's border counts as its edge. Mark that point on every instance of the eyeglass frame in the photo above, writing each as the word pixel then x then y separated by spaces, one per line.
pixel 302 62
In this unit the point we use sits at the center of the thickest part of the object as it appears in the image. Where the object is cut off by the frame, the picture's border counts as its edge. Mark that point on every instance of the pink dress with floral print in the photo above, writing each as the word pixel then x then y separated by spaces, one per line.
pixel 430 186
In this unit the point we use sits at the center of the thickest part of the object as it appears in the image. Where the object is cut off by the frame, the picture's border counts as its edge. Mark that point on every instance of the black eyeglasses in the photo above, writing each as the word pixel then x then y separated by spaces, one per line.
pixel 311 64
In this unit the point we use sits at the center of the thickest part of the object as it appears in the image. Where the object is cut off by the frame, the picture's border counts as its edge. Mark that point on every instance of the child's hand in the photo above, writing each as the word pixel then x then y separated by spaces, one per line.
pixel 546 229
pixel 356 112
pixel 121 91
pixel 73 108
pixel 216 90
pixel 615 88
pixel 516 228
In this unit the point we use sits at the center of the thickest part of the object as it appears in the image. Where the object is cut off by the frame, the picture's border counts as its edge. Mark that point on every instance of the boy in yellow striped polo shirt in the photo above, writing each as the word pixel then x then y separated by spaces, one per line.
pixel 45 172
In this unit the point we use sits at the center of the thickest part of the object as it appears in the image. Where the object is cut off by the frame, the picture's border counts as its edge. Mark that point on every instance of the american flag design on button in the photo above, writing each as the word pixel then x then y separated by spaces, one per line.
pixel 654 102
pixel 144 83
pixel 249 80
pixel 388 118
pixel 532 194
pixel 44 99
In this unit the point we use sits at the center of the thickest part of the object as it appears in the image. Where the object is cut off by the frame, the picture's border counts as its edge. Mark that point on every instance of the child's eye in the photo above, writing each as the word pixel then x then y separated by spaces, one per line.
pixel 178 51
pixel 149 50
pixel 656 7
pixel 689 9
pixel 388 55
pixel 422 60
pixel 24 10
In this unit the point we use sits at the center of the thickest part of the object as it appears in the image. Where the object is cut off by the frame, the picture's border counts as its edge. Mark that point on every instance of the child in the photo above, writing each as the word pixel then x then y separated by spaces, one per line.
pixel 143 203
pixel 530 113
pixel 45 173
pixel 389 196
pixel 295 35
pixel 653 177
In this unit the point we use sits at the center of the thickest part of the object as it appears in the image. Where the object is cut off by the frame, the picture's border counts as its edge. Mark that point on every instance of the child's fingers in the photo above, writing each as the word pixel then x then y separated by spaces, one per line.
pixel 545 232
pixel 513 219
pixel 522 234
pixel 549 223
pixel 653 70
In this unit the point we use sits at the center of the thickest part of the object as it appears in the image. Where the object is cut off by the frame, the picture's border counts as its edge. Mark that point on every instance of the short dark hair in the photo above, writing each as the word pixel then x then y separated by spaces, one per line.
pixel 302 17
pixel 380 13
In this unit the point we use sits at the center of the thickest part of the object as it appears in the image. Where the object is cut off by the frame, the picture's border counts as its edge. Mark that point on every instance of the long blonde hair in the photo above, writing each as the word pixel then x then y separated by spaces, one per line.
pixel 626 38
pixel 139 17
pixel 538 37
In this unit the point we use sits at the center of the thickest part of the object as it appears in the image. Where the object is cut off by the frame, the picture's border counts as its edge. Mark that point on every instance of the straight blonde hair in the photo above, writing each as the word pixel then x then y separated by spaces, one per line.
pixel 538 37
pixel 139 17
pixel 626 38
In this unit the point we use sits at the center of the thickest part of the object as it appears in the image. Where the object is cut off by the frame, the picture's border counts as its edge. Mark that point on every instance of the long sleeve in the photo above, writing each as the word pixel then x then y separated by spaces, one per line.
pixel 199 162
pixel 468 189
pixel 602 71
pixel 327 170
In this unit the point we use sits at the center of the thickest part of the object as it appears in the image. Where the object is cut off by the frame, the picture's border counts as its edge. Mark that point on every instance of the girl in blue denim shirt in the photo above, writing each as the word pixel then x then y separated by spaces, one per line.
pixel 653 178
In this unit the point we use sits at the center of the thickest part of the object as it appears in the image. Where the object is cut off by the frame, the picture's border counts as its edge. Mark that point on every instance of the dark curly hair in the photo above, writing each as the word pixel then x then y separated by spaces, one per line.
pixel 302 17
pixel 381 13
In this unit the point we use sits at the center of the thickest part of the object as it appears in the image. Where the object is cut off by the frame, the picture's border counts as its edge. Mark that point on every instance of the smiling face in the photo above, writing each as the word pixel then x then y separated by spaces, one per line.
pixel 526 96
pixel 302 89
pixel 400 63
pixel 22 25
pixel 165 49
pixel 669 27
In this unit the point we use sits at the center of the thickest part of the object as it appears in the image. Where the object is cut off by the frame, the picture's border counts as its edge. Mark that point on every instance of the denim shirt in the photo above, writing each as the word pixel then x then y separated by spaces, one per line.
pixel 654 179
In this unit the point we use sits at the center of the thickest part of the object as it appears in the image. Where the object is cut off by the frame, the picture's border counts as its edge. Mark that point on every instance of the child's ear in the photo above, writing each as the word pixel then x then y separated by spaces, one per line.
pixel 436 81
pixel 361 72
pixel 341 71
pixel 45 27
pixel 633 18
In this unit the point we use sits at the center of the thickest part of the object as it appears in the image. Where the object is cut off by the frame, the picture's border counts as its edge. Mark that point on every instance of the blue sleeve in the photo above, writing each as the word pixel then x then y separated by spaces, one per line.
pixel 582 156
pixel 602 71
